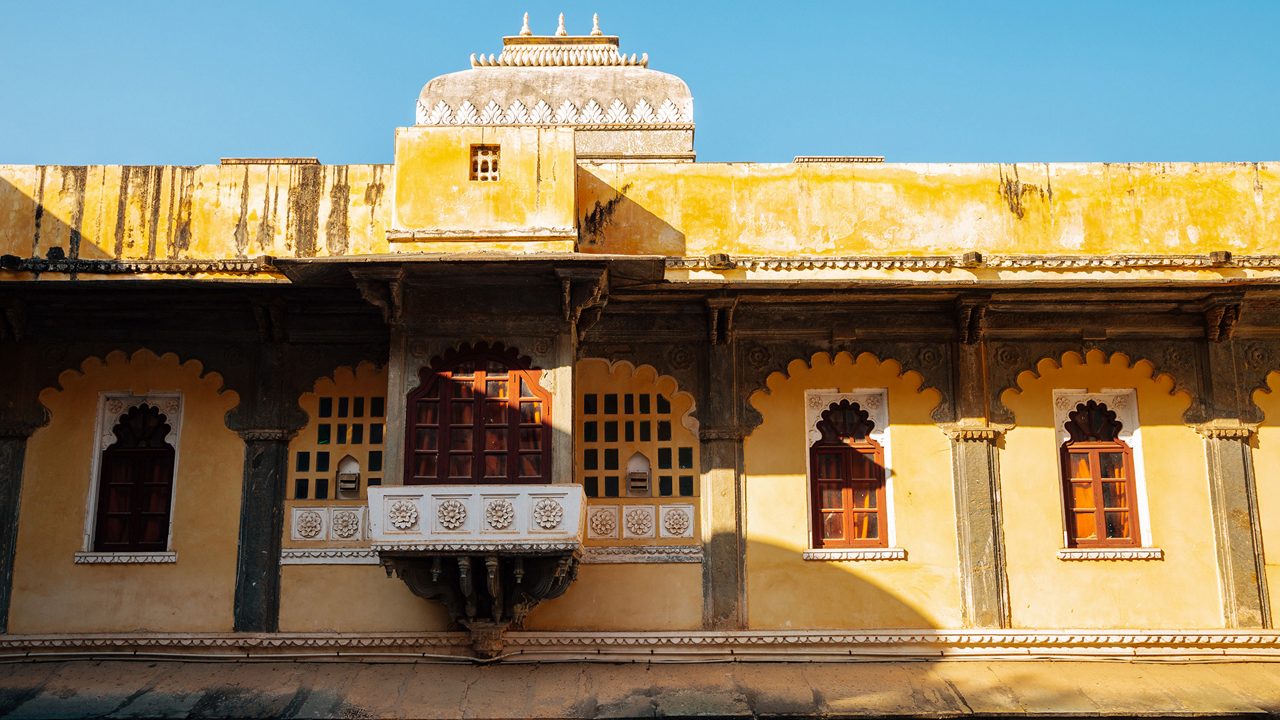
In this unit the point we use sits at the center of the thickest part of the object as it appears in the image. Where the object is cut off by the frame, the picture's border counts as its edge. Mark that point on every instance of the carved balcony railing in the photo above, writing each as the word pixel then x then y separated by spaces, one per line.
pixel 489 553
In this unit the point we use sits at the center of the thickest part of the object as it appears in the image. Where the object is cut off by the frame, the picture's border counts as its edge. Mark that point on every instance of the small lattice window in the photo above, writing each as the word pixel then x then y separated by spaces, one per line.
pixel 484 163
pixel 338 455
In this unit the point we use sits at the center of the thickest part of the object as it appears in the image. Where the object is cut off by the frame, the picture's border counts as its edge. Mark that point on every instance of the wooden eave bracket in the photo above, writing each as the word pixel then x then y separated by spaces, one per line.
pixel 584 291
pixel 384 293
pixel 971 319
pixel 1221 317
pixel 720 319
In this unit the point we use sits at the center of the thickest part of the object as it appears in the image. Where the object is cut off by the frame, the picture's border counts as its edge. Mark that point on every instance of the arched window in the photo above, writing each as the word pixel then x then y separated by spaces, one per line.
pixel 479 416
pixel 847 480
pixel 1098 480
pixel 135 485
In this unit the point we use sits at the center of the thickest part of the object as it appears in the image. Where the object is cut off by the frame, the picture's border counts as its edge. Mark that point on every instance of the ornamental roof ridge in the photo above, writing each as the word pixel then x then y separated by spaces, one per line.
pixel 560 50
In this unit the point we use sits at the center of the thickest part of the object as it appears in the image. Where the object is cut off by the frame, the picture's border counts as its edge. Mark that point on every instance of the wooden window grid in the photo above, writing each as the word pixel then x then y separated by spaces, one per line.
pixel 343 425
pixel 614 426
pixel 135 485
pixel 847 482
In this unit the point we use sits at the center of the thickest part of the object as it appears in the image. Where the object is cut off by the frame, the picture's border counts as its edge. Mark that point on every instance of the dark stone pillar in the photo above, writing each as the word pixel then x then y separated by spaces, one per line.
pixel 724 557
pixel 257 601
pixel 13 449
pixel 975 464
pixel 1234 502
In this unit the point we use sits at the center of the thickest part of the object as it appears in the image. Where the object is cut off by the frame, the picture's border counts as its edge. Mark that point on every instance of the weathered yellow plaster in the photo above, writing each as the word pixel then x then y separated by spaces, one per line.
pixel 786 591
pixel 929 209
pixel 630 597
pixel 50 593
pixel 436 199
pixel 1266 468
pixel 1179 591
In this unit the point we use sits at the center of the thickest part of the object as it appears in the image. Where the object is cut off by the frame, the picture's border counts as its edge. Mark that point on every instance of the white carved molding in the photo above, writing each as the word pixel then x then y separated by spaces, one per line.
pixel 642 554
pixel 318 523
pixel 1142 553
pixel 125 558
pixel 328 556
pixel 842 554
pixel 1124 402
pixel 466 515
pixel 615 113
pixel 675 521
pixel 112 405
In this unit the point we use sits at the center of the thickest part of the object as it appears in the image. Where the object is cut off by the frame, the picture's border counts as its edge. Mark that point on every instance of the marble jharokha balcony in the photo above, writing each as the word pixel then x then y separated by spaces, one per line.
pixel 489 553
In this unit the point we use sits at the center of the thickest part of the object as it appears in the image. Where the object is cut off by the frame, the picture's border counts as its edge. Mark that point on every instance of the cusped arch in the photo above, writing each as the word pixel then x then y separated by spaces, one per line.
pixel 140 372
pixel 1073 369
pixel 847 370
pixel 1267 398
pixel 683 404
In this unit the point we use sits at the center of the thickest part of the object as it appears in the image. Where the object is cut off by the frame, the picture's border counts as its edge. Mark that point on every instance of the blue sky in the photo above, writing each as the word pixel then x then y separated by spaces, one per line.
pixel 962 81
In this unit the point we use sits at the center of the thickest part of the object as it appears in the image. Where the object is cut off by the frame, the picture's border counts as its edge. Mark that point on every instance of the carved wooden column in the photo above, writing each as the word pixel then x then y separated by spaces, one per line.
pixel 1234 501
pixel 724 557
pixel 975 471
pixel 13 449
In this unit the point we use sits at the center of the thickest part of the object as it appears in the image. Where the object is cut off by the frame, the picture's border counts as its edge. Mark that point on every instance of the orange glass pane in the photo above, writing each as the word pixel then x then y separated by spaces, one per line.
pixel 495 413
pixel 530 413
pixel 425 438
pixel 866 526
pixel 153 530
pixel 428 413
pixel 460 466
pixel 530 465
pixel 530 438
pixel 1085 525
pixel 1082 495
pixel 1115 494
pixel 1111 464
pixel 833 526
pixel 525 390
pixel 462 389
pixel 495 389
pixel 495 465
pixel 1117 524
pixel 832 497
pixel 858 466
pixel 1080 466
pixel 495 439
pixel 462 413
pixel 864 497
pixel 425 466
pixel 461 439
pixel 828 467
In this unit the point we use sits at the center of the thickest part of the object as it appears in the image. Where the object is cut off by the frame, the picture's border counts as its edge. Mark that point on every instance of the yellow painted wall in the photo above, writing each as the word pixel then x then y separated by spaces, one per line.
pixel 50 593
pixel 1180 591
pixel 533 199
pixel 928 209
pixel 352 598
pixel 1266 467
pixel 630 597
pixel 786 591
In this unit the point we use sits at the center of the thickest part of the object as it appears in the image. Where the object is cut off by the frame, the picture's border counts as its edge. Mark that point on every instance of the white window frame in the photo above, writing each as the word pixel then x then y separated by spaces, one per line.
pixel 112 405
pixel 875 401
pixel 1124 403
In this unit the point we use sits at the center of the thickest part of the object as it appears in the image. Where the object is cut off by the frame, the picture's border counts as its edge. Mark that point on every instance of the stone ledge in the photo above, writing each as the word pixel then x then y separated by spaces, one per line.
pixel 328 556
pixel 642 554
pixel 141 558
pixel 1143 553
pixel 840 554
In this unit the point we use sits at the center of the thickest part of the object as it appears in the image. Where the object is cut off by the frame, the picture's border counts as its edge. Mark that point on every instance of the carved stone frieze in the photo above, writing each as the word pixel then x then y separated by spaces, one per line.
pixel 1227 429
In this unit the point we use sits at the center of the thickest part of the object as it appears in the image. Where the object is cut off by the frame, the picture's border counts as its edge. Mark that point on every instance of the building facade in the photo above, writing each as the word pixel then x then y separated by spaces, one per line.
pixel 547 388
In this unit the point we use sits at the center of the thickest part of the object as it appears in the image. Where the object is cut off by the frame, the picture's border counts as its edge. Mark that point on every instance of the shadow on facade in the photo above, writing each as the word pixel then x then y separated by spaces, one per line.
pixel 607 216
pixel 35 228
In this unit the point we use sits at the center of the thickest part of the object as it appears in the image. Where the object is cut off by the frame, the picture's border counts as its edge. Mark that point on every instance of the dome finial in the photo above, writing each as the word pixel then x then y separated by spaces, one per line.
pixel 524 29
pixel 560 31
pixel 595 24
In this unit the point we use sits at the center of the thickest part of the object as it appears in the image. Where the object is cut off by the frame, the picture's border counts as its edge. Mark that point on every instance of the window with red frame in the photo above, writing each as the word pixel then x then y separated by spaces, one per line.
pixel 479 416
pixel 1098 481
pixel 847 481
pixel 135 485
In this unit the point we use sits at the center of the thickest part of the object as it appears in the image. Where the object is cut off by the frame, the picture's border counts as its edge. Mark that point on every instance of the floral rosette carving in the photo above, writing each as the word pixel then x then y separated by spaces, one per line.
pixel 308 524
pixel 451 514
pixel 403 514
pixel 547 513
pixel 639 522
pixel 676 522
pixel 499 514
pixel 346 524
pixel 603 523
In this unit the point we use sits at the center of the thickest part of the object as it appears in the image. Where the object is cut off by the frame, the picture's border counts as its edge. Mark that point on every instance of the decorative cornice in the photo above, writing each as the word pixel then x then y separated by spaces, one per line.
pixel 1227 430
pixel 855 554
pixel 642 554
pixel 974 432
pixel 125 558
pixel 841 159
pixel 1021 645
pixel 508 548
pixel 118 267
pixel 328 556
pixel 945 262
pixel 1143 553
pixel 614 114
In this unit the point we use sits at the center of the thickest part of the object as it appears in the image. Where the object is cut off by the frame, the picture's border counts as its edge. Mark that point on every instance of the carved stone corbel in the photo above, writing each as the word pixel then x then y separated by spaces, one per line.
pixel 1227 429
pixel 1221 318
pixel 584 292
pixel 384 294
pixel 975 431
pixel 971 320
pixel 720 319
